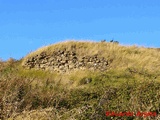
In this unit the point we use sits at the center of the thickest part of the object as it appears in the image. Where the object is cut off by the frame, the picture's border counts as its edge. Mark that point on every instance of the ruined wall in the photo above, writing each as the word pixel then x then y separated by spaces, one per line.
pixel 64 61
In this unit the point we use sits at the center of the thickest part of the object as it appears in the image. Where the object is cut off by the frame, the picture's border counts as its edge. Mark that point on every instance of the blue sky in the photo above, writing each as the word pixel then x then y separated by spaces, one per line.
pixel 26 25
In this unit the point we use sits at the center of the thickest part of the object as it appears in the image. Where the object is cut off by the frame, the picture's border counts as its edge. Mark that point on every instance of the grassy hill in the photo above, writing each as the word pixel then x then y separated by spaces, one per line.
pixel 131 82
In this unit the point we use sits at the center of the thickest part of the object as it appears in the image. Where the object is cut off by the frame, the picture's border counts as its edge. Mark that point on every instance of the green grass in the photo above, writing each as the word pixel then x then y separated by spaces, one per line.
pixel 131 83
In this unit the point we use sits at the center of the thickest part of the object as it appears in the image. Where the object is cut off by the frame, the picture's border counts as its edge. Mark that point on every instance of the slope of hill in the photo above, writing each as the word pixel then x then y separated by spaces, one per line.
pixel 81 80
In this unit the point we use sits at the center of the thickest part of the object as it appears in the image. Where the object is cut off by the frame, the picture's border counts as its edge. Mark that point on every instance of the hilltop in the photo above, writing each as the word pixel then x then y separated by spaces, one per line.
pixel 80 80
pixel 111 54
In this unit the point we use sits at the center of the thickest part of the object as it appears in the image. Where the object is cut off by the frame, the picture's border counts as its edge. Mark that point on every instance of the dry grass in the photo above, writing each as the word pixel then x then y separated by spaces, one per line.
pixel 122 57
pixel 130 84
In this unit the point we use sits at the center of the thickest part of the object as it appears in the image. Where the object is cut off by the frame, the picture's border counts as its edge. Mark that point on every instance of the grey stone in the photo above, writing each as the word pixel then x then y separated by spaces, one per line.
pixel 63 61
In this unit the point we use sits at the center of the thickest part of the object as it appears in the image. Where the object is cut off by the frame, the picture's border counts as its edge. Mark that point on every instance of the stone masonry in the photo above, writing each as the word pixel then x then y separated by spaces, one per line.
pixel 64 61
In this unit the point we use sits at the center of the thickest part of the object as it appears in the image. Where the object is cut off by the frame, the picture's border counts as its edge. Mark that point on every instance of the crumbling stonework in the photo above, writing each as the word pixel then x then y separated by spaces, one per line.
pixel 64 61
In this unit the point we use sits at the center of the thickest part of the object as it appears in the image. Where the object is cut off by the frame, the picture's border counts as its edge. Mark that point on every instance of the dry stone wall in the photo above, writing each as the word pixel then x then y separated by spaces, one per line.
pixel 64 61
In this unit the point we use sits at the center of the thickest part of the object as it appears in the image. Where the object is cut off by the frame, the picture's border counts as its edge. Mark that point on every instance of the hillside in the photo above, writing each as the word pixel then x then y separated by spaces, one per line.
pixel 81 81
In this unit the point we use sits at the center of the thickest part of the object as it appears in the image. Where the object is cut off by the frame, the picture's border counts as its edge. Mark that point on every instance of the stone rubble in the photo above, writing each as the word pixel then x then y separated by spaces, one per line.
pixel 64 61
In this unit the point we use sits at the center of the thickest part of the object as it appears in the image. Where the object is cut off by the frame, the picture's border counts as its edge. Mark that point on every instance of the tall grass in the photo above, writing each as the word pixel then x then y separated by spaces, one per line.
pixel 131 83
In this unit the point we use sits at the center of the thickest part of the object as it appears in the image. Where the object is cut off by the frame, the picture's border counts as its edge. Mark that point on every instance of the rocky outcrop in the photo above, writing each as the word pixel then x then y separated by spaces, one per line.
pixel 64 61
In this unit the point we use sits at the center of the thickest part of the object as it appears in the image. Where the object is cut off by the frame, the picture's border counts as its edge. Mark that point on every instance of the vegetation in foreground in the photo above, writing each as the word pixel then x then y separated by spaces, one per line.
pixel 130 84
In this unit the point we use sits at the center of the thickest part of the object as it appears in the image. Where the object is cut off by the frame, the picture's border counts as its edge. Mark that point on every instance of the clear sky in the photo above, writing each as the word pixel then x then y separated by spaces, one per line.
pixel 26 25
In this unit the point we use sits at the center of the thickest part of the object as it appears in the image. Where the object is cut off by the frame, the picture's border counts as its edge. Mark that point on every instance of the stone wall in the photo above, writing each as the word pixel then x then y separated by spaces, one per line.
pixel 64 61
